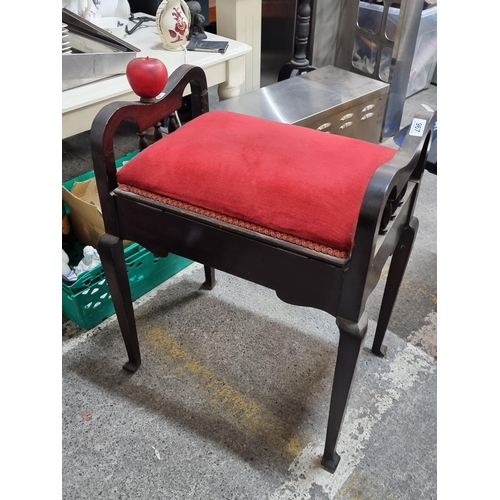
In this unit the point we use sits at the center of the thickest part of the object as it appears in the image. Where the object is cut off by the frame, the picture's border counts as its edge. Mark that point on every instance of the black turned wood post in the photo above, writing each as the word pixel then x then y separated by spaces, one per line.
pixel 299 63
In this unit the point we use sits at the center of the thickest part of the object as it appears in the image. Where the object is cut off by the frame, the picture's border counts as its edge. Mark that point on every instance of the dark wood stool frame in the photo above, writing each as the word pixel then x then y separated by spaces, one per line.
pixel 300 276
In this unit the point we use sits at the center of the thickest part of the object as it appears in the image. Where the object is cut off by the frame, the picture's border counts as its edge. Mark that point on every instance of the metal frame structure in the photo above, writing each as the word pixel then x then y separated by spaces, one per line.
pixel 401 48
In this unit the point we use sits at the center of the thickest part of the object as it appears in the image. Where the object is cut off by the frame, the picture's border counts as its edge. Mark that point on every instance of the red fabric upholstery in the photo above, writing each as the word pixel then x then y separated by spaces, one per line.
pixel 287 178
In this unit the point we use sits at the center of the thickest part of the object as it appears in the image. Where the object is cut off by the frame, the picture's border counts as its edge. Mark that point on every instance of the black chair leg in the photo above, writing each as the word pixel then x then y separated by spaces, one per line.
pixel 112 256
pixel 397 270
pixel 210 281
pixel 352 337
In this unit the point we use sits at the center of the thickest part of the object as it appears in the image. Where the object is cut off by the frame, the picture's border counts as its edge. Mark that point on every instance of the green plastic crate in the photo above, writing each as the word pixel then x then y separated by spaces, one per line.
pixel 87 302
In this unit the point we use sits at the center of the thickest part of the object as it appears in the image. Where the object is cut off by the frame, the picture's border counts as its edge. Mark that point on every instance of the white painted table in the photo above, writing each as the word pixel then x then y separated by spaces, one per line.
pixel 81 104
pixel 242 20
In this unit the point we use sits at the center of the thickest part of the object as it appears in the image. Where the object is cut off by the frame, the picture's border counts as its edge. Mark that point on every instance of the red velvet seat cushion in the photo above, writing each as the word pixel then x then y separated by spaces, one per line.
pixel 291 179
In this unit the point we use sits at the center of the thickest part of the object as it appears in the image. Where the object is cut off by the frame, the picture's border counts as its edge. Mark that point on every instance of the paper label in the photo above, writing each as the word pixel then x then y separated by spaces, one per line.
pixel 417 127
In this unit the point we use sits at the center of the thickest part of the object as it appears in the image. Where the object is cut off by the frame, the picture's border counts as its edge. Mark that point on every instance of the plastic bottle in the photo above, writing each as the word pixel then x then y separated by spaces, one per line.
pixel 68 274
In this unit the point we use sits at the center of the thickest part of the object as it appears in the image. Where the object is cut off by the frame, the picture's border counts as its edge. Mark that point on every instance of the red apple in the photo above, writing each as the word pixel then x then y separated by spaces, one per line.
pixel 147 76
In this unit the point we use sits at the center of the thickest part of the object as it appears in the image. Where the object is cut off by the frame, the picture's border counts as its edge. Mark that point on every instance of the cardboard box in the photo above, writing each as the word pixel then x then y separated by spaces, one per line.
pixel 86 215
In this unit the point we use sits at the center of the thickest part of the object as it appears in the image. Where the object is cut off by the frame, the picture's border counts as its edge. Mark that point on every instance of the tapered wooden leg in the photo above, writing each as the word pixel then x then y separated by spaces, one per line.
pixel 397 270
pixel 352 336
pixel 112 256
pixel 210 281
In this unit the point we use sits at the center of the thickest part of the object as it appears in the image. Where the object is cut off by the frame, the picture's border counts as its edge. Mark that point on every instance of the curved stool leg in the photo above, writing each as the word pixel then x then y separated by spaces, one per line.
pixel 113 262
pixel 352 336
pixel 397 270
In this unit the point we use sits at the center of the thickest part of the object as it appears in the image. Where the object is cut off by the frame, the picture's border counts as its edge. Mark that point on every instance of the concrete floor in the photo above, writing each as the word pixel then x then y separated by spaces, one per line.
pixel 214 413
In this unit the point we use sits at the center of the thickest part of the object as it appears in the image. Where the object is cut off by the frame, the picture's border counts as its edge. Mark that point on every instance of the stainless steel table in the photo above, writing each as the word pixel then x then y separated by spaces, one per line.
pixel 329 99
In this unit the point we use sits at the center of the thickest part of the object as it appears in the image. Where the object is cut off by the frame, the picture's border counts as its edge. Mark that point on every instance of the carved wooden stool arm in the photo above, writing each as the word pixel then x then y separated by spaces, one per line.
pixel 145 115
pixel 387 197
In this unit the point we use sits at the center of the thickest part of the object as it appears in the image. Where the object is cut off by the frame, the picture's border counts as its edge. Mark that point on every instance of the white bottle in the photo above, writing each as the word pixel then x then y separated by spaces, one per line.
pixel 65 266
pixel 67 272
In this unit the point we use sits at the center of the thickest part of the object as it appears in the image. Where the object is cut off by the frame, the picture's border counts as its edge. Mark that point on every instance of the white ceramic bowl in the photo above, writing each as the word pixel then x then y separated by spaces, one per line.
pixel 115 25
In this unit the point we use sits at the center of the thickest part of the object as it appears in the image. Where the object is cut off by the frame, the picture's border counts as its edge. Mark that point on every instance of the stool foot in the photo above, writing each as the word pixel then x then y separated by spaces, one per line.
pixel 210 281
pixel 330 464
pixel 131 367
pixel 380 351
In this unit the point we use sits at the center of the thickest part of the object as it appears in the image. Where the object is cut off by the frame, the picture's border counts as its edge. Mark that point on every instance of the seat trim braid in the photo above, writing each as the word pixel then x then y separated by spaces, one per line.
pixel 311 245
